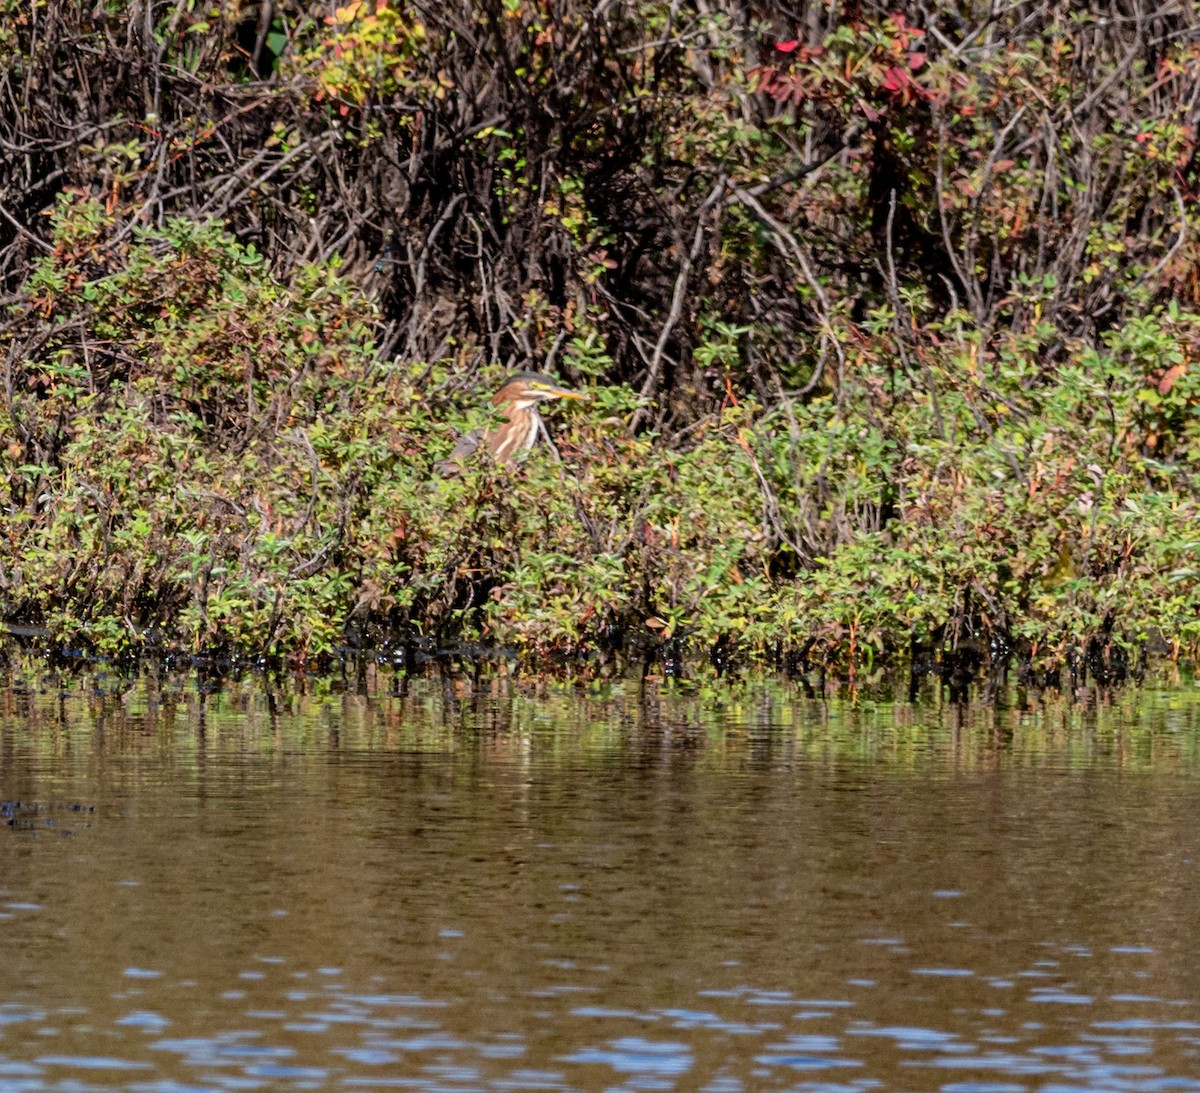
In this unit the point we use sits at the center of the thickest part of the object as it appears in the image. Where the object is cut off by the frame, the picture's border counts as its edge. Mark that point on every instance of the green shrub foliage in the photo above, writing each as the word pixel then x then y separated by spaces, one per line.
pixel 889 314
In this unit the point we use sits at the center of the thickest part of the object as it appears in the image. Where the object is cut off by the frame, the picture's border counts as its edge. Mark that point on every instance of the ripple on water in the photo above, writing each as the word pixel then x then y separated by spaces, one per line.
pixel 699 1019
pixel 277 1070
pixel 144 1019
pixel 612 1013
pixel 806 1062
pixel 367 1056
pixel 91 1062
pixel 982 1087
pixel 433 1041
pixel 908 1038
pixel 637 1055
pixel 1065 1064
pixel 14 1014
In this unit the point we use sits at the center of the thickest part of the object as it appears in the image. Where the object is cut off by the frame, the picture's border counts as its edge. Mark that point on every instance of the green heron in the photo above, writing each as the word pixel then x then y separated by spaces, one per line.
pixel 517 400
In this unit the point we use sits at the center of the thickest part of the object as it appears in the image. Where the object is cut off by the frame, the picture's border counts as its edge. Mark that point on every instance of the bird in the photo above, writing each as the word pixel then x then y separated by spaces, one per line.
pixel 517 400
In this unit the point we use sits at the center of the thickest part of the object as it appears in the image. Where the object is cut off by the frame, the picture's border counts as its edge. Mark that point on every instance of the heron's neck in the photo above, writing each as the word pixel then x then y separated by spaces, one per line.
pixel 520 433
pixel 524 416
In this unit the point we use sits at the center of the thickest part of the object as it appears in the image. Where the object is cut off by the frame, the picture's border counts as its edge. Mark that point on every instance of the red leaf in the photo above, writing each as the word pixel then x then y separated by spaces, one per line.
pixel 904 28
pixel 916 60
pixel 787 47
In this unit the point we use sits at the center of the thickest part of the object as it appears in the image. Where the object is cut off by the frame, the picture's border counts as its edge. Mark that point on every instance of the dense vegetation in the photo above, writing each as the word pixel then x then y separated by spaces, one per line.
pixel 889 313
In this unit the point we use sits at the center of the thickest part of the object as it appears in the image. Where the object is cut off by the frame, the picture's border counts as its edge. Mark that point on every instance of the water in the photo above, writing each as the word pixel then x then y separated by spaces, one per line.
pixel 494 889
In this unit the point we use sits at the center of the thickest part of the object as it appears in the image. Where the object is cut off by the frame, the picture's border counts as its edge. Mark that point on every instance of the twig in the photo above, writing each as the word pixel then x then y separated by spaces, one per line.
pixel 677 297
pixel 25 232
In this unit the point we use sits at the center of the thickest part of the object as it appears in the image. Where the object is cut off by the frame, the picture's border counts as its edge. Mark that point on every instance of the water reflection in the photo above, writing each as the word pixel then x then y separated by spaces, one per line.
pixel 464 888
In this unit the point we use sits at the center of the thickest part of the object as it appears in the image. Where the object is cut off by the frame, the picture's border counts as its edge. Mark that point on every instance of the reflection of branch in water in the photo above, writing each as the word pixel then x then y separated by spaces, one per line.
pixel 31 816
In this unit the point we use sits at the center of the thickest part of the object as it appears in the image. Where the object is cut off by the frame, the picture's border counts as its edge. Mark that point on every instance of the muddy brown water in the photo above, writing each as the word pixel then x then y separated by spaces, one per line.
pixel 462 888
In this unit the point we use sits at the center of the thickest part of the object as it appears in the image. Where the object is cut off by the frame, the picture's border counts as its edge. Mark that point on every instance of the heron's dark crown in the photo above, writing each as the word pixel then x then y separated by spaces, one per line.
pixel 530 377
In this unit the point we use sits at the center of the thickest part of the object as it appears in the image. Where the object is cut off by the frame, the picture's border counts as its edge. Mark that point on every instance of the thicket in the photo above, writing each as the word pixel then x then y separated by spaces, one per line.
pixel 890 315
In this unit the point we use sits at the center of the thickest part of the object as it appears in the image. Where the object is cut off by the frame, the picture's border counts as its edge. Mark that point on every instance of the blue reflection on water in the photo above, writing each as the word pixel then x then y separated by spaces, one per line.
pixel 634 1054
pixel 91 1062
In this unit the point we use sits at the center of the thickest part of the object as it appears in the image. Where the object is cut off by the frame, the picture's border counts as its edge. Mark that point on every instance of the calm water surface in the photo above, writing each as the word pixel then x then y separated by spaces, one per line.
pixel 461 889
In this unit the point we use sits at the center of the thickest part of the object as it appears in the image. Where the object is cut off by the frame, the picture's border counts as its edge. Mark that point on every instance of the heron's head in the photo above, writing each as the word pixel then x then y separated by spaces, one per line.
pixel 524 390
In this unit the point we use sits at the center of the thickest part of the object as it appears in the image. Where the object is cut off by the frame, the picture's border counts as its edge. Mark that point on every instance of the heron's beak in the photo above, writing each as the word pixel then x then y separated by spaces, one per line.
pixel 562 392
